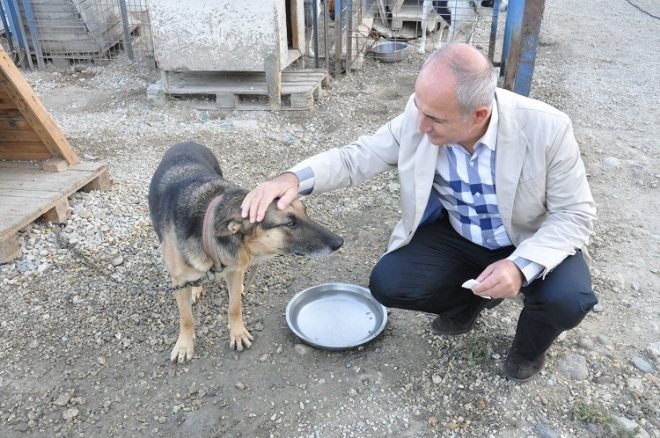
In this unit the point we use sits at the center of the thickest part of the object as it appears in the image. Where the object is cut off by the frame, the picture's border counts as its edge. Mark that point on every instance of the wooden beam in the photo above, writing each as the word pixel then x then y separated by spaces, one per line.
pixel 31 108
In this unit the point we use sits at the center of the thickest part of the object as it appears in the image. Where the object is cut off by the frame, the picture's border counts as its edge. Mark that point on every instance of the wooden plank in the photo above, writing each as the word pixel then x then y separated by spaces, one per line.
pixel 26 193
pixel 15 124
pixel 18 135
pixel 24 155
pixel 34 112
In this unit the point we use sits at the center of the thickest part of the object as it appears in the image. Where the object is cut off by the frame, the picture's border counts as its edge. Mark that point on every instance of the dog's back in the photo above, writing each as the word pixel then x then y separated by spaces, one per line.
pixel 185 174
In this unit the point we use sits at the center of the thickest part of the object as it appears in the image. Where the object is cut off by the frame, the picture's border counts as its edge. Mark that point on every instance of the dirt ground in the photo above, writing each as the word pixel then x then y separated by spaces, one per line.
pixel 87 326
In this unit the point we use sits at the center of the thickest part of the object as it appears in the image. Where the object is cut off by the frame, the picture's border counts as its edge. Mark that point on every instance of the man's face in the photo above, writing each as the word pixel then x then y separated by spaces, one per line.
pixel 440 117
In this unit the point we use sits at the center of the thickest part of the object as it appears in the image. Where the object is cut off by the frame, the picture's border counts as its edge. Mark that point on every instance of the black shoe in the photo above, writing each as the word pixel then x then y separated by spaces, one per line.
pixel 443 325
pixel 520 369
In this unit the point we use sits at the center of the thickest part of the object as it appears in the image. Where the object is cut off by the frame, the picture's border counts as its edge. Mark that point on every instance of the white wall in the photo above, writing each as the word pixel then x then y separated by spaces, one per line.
pixel 218 35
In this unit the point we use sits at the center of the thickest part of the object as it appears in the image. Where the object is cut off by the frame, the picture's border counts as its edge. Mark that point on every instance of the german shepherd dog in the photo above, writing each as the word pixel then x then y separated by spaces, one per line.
pixel 196 214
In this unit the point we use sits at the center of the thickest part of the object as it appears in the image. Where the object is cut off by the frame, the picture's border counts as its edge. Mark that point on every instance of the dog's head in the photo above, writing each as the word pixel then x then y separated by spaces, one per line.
pixel 288 231
pixel 490 3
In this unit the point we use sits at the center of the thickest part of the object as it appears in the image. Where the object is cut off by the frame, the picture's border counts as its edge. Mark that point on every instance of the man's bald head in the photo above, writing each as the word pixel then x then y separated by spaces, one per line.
pixel 473 74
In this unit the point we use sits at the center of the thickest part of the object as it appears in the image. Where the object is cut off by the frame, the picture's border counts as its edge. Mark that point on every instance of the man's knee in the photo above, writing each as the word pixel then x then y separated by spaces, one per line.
pixel 567 310
pixel 382 286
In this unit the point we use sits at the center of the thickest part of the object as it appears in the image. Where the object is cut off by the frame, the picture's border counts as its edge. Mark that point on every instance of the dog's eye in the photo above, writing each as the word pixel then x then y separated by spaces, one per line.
pixel 293 223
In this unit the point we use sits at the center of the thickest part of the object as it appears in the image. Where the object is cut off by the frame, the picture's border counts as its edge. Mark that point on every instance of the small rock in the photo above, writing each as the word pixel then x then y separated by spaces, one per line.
pixel 240 385
pixel 543 431
pixel 654 351
pixel 586 344
pixel 116 261
pixel 603 340
pixel 573 367
pixel 612 162
pixel 436 379
pixel 301 349
pixel 70 413
pixel 641 364
pixel 63 399
pixel 598 308
pixel 629 426
pixel 603 380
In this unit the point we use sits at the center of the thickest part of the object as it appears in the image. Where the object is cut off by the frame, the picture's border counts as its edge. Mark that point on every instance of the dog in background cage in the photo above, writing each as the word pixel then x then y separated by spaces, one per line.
pixel 309 20
pixel 458 16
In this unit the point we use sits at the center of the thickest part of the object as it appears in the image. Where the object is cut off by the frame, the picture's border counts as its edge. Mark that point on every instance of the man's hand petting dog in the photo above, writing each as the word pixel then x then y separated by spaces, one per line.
pixel 501 279
pixel 284 187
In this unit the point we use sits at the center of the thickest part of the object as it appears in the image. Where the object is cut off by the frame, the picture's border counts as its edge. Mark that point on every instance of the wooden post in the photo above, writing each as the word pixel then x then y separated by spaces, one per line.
pixel 274 80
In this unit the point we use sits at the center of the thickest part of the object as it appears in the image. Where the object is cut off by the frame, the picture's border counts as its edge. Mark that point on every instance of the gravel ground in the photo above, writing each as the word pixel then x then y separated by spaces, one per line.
pixel 87 325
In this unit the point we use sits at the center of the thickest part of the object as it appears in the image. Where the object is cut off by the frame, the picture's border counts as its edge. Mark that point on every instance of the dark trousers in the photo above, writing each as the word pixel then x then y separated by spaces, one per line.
pixel 427 274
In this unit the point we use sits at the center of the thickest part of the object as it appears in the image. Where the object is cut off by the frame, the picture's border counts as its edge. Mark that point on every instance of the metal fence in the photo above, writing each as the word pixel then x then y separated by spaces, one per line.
pixel 61 32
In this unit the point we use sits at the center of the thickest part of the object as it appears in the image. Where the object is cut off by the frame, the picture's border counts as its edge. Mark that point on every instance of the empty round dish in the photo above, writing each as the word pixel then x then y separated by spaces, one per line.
pixel 336 316
pixel 390 51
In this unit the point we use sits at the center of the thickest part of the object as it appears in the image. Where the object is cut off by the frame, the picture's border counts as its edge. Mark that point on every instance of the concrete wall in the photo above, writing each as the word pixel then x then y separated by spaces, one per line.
pixel 220 35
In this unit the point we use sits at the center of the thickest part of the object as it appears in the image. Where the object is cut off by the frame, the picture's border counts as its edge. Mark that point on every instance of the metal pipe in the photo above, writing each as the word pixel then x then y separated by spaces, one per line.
pixel 493 31
pixel 23 36
pixel 5 25
pixel 124 22
pixel 349 39
pixel 315 30
pixel 326 18
pixel 338 21
pixel 34 34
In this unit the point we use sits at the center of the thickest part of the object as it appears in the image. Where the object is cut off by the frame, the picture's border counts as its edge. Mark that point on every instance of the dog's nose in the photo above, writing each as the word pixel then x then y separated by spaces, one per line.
pixel 336 243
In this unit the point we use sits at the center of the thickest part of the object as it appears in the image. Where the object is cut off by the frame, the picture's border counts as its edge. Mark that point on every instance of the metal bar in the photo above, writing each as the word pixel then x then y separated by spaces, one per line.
pixel 124 22
pixel 34 34
pixel 493 31
pixel 349 38
pixel 326 18
pixel 315 30
pixel 5 26
pixel 338 22
pixel 23 35
pixel 530 37
pixel 511 46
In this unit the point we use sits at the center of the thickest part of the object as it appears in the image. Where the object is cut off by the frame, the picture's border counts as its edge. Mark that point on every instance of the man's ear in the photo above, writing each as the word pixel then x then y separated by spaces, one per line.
pixel 481 114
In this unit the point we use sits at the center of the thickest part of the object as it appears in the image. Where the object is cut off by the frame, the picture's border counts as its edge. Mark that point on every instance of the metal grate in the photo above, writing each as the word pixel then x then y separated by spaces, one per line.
pixel 61 32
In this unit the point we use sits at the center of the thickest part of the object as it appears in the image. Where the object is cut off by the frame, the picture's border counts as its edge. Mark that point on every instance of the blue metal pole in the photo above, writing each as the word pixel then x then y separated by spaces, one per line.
pixel 8 32
pixel 512 32
pixel 21 35
pixel 529 42
pixel 34 34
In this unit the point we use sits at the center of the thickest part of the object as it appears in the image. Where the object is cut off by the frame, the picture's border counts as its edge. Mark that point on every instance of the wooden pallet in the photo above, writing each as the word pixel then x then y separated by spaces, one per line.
pixel 245 91
pixel 38 167
pixel 27 193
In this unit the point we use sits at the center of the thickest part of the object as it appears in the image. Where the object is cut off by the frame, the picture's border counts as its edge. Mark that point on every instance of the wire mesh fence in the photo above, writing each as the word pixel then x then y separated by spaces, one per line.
pixel 61 32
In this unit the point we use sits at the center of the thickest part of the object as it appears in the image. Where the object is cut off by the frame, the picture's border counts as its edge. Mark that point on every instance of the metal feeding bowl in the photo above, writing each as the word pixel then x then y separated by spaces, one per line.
pixel 335 316
pixel 390 51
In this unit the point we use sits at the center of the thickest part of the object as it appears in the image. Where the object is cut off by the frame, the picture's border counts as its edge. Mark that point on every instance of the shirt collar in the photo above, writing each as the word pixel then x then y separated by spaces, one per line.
pixel 489 139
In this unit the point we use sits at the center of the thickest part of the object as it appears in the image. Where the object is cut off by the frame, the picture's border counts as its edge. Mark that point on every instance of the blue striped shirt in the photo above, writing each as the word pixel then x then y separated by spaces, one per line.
pixel 464 187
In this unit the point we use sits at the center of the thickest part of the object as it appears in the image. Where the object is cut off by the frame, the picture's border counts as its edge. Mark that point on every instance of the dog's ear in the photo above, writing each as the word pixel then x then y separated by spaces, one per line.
pixel 235 225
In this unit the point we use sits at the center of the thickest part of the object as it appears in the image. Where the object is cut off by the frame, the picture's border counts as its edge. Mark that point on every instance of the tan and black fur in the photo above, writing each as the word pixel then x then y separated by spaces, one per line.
pixel 184 184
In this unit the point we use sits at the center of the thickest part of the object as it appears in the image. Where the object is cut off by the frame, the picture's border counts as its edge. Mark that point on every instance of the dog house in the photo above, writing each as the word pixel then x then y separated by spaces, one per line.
pixel 232 50
pixel 38 167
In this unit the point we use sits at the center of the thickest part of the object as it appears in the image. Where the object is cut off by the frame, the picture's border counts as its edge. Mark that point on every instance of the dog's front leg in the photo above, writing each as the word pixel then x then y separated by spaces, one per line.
pixel 238 334
pixel 183 350
pixel 426 10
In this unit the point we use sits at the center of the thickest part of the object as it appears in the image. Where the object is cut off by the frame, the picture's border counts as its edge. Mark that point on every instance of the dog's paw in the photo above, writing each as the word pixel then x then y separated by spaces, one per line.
pixel 421 50
pixel 182 351
pixel 239 338
pixel 198 293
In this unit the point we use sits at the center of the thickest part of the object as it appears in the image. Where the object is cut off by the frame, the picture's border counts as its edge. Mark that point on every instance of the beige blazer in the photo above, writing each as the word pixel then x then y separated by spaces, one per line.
pixel 541 185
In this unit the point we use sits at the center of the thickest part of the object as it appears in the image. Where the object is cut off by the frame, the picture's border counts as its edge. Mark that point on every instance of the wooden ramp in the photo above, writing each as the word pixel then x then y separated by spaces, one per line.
pixel 38 167
pixel 245 91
